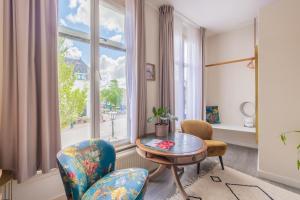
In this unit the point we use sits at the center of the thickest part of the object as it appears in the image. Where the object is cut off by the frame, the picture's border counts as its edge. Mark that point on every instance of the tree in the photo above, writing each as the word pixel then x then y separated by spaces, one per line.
pixel 72 101
pixel 112 94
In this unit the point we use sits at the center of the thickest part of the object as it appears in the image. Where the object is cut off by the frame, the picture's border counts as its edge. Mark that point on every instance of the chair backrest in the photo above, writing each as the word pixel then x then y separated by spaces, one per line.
pixel 198 128
pixel 82 164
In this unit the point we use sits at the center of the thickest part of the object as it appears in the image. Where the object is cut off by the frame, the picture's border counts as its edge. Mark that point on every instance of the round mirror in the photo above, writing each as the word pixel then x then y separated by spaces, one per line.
pixel 247 108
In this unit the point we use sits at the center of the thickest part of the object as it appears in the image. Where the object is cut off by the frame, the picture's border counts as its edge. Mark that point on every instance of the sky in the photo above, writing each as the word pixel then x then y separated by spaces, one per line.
pixel 75 14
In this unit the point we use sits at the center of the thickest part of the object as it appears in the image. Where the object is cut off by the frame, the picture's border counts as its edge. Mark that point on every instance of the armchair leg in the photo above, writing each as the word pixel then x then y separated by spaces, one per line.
pixel 221 161
pixel 198 168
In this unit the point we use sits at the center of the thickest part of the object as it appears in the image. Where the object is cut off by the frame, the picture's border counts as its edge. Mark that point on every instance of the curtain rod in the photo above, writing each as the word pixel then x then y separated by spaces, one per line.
pixel 176 13
pixel 186 19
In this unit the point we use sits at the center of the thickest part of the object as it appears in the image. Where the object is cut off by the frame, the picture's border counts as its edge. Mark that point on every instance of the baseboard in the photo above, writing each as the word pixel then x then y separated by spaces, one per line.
pixel 242 144
pixel 280 179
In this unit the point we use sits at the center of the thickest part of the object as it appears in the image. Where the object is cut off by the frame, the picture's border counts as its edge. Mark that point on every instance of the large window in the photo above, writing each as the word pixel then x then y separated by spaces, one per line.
pixel 188 59
pixel 92 70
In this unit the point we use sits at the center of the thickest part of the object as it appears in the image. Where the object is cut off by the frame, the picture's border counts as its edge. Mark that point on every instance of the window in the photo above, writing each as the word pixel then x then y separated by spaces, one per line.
pixel 188 70
pixel 181 81
pixel 112 87
pixel 92 89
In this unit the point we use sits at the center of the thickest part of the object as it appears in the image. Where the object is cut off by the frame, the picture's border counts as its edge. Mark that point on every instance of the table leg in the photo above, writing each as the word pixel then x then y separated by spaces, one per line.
pixel 180 171
pixel 157 172
pixel 178 183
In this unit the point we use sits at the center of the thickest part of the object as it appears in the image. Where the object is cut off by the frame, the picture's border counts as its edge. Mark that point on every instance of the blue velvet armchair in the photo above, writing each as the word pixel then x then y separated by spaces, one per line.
pixel 87 171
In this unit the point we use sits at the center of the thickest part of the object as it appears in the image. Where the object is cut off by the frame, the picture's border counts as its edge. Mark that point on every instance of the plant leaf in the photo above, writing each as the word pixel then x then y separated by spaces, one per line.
pixel 298 147
pixel 172 117
pixel 164 118
pixel 298 164
pixel 154 111
pixel 283 138
pixel 151 119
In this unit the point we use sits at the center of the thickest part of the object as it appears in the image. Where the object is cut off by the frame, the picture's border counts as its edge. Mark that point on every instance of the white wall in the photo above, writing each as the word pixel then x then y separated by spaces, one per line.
pixel 229 85
pixel 279 94
pixel 152 56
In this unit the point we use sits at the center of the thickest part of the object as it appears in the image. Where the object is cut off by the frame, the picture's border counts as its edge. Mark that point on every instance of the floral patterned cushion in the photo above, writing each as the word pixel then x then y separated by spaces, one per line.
pixel 87 173
pixel 127 184
pixel 81 165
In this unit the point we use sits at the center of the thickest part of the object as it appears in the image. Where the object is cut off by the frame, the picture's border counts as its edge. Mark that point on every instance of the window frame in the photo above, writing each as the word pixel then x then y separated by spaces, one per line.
pixel 95 42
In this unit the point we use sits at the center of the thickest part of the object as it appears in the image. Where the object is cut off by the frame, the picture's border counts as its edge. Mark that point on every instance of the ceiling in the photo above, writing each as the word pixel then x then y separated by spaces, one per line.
pixel 216 15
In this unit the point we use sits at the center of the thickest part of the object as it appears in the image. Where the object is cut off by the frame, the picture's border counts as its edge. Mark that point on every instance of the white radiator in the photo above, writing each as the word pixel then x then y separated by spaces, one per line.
pixel 130 158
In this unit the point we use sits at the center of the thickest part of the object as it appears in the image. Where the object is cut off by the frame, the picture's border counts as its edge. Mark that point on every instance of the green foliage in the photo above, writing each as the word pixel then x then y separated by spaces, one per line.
pixel 162 115
pixel 72 100
pixel 113 94
pixel 283 138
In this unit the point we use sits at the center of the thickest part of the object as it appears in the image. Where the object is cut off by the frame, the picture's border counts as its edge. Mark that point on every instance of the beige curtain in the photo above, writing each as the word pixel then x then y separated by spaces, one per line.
pixel 166 59
pixel 29 133
pixel 1 55
pixel 135 63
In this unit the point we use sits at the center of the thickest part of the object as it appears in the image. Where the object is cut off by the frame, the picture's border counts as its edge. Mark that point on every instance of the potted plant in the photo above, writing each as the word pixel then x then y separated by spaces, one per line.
pixel 162 117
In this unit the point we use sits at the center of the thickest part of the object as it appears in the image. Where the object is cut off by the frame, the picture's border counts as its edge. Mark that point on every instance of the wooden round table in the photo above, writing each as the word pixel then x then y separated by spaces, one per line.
pixel 187 150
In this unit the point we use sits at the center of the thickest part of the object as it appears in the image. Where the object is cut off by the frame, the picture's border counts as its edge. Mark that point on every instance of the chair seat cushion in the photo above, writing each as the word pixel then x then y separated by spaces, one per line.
pixel 126 184
pixel 215 148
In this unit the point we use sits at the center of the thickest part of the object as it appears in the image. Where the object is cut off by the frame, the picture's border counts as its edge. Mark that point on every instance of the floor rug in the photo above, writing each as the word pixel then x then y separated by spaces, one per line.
pixel 231 184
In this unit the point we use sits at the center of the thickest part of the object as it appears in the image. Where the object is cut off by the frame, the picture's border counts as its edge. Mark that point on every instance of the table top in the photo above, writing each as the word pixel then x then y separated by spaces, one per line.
pixel 185 145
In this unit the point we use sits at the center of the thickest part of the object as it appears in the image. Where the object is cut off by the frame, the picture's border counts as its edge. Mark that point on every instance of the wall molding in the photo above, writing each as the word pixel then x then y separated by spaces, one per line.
pixel 280 179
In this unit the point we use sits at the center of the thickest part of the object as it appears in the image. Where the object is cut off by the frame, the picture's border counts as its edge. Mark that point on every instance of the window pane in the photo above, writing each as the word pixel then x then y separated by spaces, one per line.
pixel 74 90
pixel 75 14
pixel 113 99
pixel 112 20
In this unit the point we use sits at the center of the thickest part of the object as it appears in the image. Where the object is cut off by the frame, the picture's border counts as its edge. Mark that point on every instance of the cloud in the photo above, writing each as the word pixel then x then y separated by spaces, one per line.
pixel 82 14
pixel 65 44
pixel 112 69
pixel 110 19
pixel 72 3
pixel 62 22
pixel 73 52
pixel 116 38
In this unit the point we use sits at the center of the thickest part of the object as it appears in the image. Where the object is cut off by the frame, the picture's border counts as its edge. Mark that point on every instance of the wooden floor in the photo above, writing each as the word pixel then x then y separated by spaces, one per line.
pixel 237 157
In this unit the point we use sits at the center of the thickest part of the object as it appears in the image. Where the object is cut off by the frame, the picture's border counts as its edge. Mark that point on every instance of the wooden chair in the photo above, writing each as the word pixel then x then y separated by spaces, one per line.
pixel 204 131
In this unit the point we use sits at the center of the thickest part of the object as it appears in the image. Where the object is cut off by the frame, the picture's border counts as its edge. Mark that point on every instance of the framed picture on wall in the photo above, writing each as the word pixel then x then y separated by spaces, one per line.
pixel 212 115
pixel 150 72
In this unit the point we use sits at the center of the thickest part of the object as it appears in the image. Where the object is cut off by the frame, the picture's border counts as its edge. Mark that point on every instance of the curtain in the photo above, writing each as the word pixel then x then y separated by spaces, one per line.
pixel 135 63
pixel 30 136
pixel 179 71
pixel 166 59
pixel 189 63
pixel 1 57
pixel 195 37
